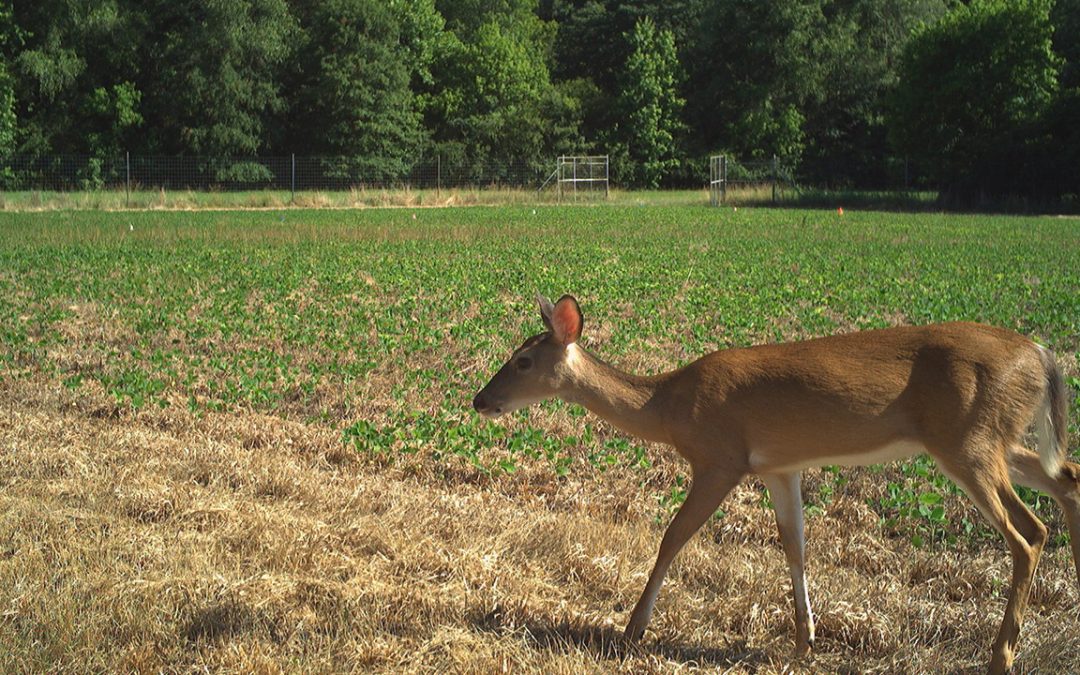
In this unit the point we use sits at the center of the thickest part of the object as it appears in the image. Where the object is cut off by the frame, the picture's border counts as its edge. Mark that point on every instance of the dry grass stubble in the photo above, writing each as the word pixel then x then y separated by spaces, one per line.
pixel 247 543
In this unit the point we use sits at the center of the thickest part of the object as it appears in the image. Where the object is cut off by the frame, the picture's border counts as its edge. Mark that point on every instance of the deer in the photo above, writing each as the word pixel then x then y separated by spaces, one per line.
pixel 964 393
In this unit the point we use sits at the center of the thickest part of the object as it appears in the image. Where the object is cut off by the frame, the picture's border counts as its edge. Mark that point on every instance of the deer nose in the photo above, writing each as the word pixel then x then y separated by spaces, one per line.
pixel 480 403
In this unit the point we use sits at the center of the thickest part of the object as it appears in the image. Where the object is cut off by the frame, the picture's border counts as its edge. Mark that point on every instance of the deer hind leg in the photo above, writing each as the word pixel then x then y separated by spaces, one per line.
pixel 984 477
pixel 786 493
pixel 1025 469
pixel 706 492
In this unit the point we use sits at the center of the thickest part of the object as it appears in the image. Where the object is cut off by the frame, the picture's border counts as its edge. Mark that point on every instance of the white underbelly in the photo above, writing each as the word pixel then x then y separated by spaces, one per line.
pixel 786 460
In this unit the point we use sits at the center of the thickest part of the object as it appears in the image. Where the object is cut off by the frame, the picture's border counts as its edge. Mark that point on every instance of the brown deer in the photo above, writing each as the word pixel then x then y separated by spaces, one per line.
pixel 964 393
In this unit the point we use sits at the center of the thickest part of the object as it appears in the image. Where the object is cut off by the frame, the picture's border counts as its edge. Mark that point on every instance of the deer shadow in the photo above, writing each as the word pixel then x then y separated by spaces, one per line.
pixel 607 643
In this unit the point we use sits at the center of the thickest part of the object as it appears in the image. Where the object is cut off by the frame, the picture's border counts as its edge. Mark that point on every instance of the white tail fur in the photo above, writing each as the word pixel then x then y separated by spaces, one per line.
pixel 1050 420
pixel 1049 452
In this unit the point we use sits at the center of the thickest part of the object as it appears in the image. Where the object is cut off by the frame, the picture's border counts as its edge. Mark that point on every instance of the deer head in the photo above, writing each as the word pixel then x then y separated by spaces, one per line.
pixel 539 368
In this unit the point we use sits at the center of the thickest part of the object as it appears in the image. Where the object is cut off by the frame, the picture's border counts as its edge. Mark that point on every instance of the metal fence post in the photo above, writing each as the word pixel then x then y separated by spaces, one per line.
pixel 607 178
pixel 723 179
pixel 292 181
pixel 775 177
pixel 559 178
pixel 127 179
pixel 575 178
pixel 438 176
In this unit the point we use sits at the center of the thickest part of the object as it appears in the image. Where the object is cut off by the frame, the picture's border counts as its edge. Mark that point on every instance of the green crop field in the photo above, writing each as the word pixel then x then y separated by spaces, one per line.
pixel 318 364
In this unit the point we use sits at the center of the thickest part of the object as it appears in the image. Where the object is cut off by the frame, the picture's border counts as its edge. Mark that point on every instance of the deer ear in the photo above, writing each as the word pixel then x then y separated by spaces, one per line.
pixel 566 320
pixel 546 308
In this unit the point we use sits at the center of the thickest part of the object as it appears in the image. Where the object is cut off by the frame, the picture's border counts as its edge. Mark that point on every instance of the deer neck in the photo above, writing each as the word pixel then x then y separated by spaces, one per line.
pixel 625 400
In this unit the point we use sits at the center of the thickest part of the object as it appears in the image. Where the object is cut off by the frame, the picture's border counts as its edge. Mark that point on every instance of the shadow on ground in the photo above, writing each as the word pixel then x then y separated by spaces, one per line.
pixel 607 643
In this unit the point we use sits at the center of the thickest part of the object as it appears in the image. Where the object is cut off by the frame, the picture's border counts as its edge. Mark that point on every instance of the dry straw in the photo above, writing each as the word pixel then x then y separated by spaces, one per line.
pixel 161 541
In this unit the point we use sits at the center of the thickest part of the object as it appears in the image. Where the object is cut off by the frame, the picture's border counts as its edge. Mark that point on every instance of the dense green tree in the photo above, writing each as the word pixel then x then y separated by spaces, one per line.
pixel 487 97
pixel 650 105
pixel 492 99
pixel 112 116
pixel 352 83
pixel 195 76
pixel 973 92
pixel 1058 173
pixel 1065 16
pixel 210 73
pixel 465 18
pixel 984 100
pixel 591 49
pixel 8 45
pixel 845 134
pixel 422 31
pixel 755 67
pixel 591 33
pixel 71 52
pixel 1054 173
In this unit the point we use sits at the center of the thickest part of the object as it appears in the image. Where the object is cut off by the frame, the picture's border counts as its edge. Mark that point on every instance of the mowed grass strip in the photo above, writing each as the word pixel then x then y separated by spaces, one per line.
pixel 241 440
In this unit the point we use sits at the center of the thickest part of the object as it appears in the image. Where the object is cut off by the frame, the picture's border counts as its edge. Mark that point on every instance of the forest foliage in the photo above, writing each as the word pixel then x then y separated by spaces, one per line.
pixel 972 98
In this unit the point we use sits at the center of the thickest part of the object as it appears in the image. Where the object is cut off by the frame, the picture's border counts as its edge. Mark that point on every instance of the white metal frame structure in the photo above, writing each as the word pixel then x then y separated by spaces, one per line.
pixel 717 179
pixel 584 173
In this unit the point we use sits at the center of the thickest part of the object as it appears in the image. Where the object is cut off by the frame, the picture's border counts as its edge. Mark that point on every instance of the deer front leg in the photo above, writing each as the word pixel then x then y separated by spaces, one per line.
pixel 706 492
pixel 786 493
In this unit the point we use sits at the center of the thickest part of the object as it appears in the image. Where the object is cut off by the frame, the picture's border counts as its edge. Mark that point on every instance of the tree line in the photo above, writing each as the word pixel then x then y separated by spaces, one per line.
pixel 977 98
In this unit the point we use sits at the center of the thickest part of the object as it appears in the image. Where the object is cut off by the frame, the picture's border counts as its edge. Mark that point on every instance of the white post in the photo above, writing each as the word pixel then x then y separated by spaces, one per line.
pixel 559 176
pixel 607 176
pixel 723 179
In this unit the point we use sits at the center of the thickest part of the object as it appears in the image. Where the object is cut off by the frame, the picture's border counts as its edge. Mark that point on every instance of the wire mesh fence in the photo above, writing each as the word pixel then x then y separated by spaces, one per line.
pixel 65 173
pixel 141 180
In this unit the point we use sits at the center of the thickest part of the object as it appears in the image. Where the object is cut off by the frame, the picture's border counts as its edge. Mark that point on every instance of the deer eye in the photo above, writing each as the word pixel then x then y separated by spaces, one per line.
pixel 523 363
